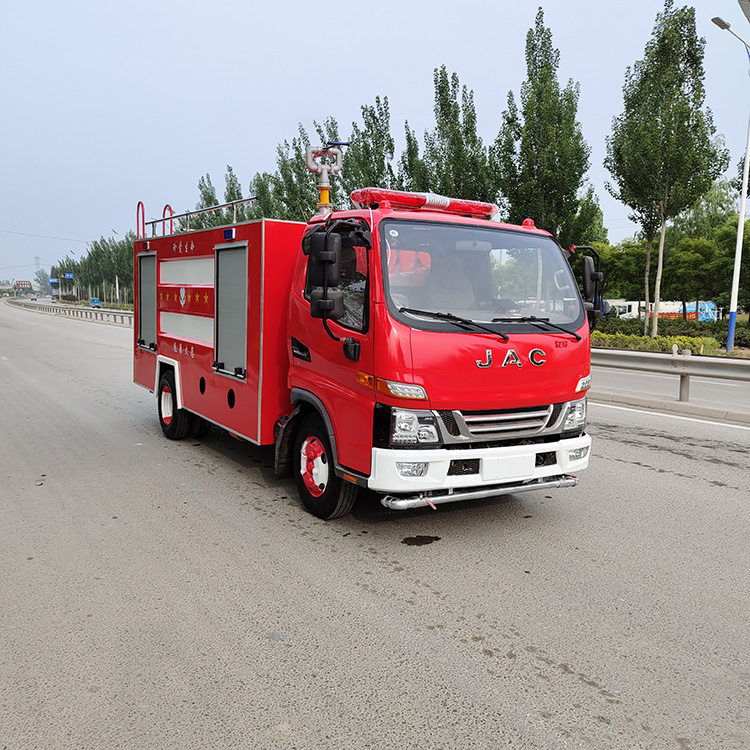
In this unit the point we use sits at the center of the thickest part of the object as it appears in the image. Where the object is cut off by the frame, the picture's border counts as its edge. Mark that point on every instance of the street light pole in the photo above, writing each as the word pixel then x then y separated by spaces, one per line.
pixel 722 24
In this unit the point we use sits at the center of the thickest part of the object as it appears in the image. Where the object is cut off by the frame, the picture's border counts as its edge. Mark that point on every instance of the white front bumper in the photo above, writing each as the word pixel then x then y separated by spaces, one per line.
pixel 503 465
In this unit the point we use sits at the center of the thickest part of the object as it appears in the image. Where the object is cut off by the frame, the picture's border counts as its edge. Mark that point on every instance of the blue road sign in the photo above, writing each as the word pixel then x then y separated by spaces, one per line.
pixel 53 281
pixel 68 275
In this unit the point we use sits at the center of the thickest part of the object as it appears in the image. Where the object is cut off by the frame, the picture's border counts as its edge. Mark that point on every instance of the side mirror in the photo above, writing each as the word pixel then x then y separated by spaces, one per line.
pixel 323 259
pixel 326 303
pixel 591 278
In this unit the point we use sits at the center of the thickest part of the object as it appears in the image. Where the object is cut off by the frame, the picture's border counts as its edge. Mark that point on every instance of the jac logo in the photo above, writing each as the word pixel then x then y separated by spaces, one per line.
pixel 537 357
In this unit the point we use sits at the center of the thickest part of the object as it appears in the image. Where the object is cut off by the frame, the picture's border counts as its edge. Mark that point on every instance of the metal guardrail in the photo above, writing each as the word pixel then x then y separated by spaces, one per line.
pixel 116 317
pixel 683 364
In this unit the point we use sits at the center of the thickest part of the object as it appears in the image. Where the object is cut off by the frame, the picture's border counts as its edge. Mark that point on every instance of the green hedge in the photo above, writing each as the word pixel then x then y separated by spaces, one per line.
pixel 741 337
pixel 697 344
pixel 679 327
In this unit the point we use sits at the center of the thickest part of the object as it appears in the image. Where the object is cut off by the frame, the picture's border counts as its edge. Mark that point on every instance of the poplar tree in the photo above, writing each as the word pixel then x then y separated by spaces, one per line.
pixel 455 161
pixel 368 158
pixel 412 175
pixel 540 157
pixel 455 157
pixel 661 154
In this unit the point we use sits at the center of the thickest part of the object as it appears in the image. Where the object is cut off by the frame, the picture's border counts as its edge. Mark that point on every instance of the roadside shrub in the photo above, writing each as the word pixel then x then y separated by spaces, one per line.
pixel 741 337
pixel 669 327
pixel 698 344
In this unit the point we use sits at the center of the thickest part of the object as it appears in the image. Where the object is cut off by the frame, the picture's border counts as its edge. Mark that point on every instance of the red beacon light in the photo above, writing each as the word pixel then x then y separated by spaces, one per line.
pixel 425 201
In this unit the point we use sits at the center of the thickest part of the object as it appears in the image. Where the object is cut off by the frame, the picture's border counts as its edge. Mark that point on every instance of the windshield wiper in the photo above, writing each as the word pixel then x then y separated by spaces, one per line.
pixel 537 322
pixel 465 322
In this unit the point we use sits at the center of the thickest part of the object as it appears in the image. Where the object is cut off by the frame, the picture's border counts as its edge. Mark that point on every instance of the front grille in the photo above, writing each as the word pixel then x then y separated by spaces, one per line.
pixel 450 423
pixel 461 468
pixel 555 415
pixel 507 422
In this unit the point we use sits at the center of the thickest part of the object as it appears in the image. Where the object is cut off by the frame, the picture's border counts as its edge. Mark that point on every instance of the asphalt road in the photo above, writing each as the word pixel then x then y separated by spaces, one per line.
pixel 160 594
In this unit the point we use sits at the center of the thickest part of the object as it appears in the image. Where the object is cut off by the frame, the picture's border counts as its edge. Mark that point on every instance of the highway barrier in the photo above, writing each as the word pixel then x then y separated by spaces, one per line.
pixel 111 317
pixel 682 364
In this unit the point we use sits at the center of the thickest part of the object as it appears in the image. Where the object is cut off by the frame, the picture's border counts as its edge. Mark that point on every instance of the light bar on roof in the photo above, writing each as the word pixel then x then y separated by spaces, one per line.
pixel 425 201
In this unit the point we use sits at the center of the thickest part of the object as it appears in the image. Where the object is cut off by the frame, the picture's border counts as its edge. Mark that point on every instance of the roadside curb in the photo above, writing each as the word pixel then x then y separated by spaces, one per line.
pixel 681 408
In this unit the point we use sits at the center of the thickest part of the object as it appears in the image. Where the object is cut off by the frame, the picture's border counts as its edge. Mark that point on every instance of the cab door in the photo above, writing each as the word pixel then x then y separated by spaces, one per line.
pixel 327 368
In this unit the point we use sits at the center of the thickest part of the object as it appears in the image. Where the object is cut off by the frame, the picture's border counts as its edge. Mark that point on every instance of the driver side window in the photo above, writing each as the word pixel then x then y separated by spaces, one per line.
pixel 353 286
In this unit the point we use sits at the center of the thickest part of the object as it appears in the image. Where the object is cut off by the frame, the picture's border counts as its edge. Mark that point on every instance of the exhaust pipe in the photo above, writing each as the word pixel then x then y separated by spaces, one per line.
pixel 406 502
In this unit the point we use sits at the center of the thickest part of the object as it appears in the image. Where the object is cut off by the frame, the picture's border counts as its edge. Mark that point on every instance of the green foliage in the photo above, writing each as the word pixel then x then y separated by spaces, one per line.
pixel 742 337
pixel 293 184
pixel 681 328
pixel 413 174
pixel 689 269
pixel 291 193
pixel 661 153
pixel 702 345
pixel 455 157
pixel 207 199
pixel 107 265
pixel 367 161
pixel 710 212
pixel 539 156
pixel 455 161
pixel 41 278
pixel 726 241
pixel 266 203
pixel 624 267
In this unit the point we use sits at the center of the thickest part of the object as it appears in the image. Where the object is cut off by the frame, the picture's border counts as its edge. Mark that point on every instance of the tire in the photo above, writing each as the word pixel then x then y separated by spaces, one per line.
pixel 200 427
pixel 175 423
pixel 322 493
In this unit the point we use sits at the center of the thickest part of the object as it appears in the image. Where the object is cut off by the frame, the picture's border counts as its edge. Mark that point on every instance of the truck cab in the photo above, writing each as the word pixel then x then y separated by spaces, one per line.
pixel 454 363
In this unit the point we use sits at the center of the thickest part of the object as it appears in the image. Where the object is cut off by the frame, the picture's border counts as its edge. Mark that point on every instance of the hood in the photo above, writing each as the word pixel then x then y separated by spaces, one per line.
pixel 481 371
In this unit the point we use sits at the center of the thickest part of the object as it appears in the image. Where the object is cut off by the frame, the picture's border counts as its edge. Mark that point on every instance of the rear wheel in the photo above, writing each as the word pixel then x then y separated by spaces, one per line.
pixel 175 423
pixel 200 427
pixel 323 493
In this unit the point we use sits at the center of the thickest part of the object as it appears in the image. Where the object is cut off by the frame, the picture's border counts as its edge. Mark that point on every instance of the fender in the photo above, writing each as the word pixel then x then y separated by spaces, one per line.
pixel 286 427
pixel 164 363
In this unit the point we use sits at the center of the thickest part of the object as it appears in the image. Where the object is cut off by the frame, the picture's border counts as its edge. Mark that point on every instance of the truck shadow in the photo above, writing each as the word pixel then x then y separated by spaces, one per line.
pixel 257 461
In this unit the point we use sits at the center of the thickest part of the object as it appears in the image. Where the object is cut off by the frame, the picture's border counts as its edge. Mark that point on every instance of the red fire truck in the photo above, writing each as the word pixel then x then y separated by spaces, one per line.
pixel 409 345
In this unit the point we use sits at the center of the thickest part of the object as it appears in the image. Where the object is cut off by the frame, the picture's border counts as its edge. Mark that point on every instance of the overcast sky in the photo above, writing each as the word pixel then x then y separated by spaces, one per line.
pixel 105 105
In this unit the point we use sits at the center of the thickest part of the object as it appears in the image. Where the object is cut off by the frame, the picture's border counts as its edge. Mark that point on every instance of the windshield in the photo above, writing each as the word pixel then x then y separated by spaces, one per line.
pixel 509 280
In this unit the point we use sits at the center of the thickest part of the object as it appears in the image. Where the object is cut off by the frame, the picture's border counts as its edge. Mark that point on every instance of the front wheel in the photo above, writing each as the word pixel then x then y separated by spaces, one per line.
pixel 175 423
pixel 323 493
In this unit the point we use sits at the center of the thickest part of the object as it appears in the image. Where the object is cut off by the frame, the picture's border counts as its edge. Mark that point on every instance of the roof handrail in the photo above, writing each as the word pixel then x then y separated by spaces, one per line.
pixel 164 215
pixel 140 221
pixel 188 214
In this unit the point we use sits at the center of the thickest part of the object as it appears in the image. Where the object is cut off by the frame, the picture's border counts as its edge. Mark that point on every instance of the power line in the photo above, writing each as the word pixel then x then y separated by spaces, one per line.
pixel 10 268
pixel 41 236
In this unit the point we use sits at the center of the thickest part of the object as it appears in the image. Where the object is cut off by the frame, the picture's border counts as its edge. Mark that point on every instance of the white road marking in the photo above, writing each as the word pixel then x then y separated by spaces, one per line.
pixel 669 416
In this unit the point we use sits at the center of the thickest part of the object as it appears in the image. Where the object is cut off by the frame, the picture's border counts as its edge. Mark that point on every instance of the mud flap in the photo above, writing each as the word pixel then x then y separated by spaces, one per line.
pixel 284 431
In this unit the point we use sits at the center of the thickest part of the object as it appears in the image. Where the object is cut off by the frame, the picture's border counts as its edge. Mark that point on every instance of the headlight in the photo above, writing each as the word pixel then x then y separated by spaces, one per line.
pixel 584 384
pixel 400 390
pixel 412 427
pixel 576 417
